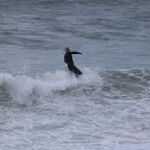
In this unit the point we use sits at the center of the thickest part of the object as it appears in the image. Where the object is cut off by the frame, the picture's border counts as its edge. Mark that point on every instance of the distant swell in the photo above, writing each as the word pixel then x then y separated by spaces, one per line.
pixel 25 89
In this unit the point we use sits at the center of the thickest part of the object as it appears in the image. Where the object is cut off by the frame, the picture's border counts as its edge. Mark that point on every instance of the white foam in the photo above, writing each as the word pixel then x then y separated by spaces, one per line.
pixel 22 87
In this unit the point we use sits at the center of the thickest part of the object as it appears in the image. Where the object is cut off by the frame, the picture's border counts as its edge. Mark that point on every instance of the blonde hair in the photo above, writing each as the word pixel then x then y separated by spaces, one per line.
pixel 67 49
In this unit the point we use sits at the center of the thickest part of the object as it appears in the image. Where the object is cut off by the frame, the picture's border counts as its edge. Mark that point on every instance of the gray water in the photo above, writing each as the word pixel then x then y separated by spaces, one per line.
pixel 43 107
pixel 110 33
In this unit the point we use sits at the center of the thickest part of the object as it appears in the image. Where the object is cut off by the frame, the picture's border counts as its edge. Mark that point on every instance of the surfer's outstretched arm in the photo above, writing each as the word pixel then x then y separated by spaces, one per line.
pixel 75 52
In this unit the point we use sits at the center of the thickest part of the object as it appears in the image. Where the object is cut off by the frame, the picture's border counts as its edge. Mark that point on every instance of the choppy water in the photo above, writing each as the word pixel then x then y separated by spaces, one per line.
pixel 42 107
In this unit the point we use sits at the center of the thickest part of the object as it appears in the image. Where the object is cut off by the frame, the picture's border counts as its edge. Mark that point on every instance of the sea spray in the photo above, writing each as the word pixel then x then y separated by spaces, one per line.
pixel 23 89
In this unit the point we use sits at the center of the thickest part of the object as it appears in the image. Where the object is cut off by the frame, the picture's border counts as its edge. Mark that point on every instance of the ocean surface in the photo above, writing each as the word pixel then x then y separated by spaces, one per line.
pixel 43 106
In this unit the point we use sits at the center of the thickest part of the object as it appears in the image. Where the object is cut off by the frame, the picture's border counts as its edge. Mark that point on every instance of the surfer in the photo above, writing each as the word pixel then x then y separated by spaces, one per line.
pixel 69 61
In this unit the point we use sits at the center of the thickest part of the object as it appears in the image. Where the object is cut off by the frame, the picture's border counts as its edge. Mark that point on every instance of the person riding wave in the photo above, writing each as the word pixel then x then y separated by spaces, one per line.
pixel 69 61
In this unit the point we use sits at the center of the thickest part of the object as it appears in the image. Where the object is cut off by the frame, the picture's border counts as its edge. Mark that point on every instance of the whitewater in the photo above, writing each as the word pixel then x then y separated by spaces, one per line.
pixel 100 110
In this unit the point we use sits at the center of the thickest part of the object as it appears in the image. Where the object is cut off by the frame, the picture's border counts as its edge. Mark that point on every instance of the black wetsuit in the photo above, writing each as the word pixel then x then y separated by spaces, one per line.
pixel 69 61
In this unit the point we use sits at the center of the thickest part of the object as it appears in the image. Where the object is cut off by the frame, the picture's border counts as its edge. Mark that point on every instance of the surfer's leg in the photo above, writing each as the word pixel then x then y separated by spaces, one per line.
pixel 76 71
pixel 70 67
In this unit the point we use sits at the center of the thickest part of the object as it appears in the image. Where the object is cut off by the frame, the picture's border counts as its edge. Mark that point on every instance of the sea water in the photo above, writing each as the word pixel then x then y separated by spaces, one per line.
pixel 43 106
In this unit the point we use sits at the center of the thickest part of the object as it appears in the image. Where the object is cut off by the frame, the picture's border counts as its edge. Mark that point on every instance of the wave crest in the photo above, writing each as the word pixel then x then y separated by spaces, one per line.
pixel 25 89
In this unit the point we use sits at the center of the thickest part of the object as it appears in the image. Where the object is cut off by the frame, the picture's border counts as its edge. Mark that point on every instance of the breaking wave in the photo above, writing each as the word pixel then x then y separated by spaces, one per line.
pixel 25 89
